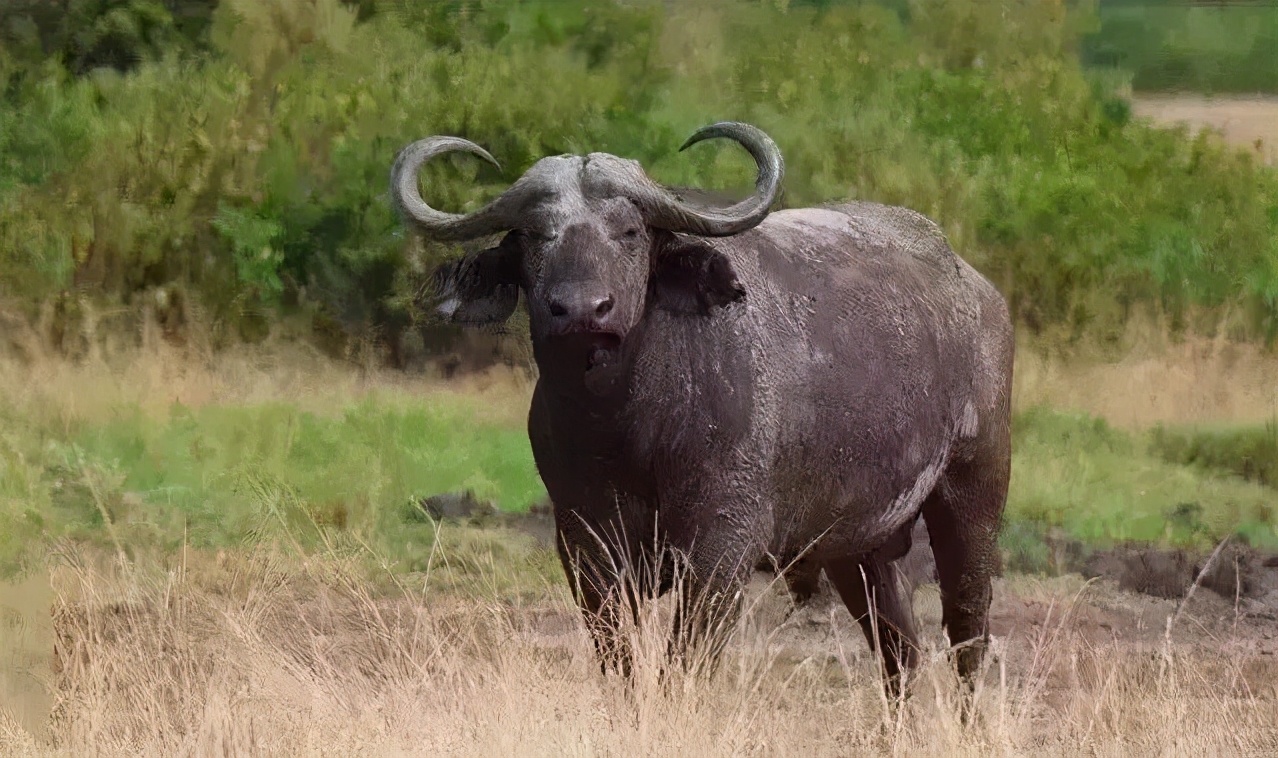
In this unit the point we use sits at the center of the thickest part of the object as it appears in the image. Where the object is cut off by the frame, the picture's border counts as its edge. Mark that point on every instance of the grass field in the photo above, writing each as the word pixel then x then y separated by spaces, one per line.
pixel 164 454
pixel 254 654
pixel 223 553
pixel 235 567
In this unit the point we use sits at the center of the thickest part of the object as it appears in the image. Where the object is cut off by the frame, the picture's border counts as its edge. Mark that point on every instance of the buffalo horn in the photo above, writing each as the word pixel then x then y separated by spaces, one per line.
pixel 439 225
pixel 664 211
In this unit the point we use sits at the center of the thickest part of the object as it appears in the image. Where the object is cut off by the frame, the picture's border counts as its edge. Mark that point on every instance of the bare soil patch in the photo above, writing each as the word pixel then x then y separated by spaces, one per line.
pixel 1249 122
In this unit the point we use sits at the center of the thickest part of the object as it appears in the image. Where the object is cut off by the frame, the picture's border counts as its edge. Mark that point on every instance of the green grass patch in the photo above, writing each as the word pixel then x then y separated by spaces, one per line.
pixel 1250 452
pixel 217 476
pixel 1078 476
pixel 230 475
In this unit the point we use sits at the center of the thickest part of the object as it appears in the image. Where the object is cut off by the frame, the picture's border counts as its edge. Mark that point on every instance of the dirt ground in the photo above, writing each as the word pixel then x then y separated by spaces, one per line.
pixel 1250 122
pixel 1127 601
pixel 1098 612
pixel 249 655
pixel 1244 577
pixel 1131 590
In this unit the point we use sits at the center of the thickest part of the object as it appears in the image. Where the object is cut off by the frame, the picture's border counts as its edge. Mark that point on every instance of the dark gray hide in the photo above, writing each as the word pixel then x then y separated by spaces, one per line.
pixel 734 388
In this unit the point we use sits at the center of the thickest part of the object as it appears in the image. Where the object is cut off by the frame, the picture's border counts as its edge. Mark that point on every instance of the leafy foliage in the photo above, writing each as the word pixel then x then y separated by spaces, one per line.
pixel 253 240
pixel 256 171
pixel 1247 452
pixel 1200 47
pixel 86 34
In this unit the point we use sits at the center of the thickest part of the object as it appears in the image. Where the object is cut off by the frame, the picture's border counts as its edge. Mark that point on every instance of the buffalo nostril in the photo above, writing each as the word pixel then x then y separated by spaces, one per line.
pixel 604 306
pixel 557 309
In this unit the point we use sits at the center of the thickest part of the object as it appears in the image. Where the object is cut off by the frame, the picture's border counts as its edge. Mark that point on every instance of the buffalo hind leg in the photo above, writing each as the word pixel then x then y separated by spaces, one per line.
pixel 890 631
pixel 963 515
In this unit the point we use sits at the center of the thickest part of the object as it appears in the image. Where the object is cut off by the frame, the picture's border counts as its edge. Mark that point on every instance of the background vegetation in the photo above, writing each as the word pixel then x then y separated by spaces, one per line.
pixel 225 162
pixel 126 468
pixel 1204 47
pixel 233 155
pixel 223 544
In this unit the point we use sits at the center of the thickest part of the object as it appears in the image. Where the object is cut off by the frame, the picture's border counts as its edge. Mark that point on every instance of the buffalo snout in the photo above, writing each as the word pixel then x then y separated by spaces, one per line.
pixel 580 308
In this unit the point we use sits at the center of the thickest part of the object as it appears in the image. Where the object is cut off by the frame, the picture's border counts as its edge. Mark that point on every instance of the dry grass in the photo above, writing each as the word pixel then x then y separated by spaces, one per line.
pixel 158 375
pixel 1156 379
pixel 259 655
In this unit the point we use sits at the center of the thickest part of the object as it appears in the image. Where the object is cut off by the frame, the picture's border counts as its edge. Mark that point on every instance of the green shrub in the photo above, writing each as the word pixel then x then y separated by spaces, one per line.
pixel 256 176
pixel 1196 47
pixel 1247 452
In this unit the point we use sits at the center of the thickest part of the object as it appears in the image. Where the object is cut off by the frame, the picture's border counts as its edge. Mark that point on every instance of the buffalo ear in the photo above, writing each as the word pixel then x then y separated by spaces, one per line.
pixel 693 278
pixel 480 288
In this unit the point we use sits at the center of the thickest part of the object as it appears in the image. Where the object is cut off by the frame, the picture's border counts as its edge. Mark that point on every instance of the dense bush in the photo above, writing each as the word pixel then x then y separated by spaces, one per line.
pixel 255 174
pixel 1195 47
pixel 1248 452
pixel 82 35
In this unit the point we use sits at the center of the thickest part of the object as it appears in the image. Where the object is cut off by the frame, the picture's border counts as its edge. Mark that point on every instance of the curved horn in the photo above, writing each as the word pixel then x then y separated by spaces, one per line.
pixel 439 225
pixel 667 212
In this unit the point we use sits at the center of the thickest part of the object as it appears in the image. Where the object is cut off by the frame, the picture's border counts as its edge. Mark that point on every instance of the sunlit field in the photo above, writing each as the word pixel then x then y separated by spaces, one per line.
pixel 227 557
pixel 259 654
pixel 253 501
pixel 1249 122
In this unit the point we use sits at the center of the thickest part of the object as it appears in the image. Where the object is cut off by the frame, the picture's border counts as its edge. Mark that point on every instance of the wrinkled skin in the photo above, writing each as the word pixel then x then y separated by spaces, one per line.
pixel 798 393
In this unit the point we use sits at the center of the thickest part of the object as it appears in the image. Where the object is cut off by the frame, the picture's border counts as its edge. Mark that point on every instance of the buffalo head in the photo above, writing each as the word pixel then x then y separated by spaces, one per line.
pixel 590 240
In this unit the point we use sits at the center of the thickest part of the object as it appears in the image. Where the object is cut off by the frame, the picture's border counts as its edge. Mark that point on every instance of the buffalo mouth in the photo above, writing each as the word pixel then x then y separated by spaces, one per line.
pixel 596 349
pixel 602 350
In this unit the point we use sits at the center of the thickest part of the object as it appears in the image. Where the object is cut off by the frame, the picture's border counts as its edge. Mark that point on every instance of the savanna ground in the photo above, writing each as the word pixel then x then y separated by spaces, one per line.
pixel 223 552
pixel 222 581
pixel 223 576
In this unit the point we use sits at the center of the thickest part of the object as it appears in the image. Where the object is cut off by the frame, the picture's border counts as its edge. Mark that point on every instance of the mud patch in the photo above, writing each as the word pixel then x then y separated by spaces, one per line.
pixel 1239 573
pixel 464 507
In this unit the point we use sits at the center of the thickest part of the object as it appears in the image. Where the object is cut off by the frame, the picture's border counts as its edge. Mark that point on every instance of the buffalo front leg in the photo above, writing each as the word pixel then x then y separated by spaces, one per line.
pixel 705 615
pixel 710 592
pixel 605 593
pixel 715 527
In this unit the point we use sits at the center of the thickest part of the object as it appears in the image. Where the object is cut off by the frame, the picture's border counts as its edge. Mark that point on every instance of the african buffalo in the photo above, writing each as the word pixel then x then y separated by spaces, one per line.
pixel 726 384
